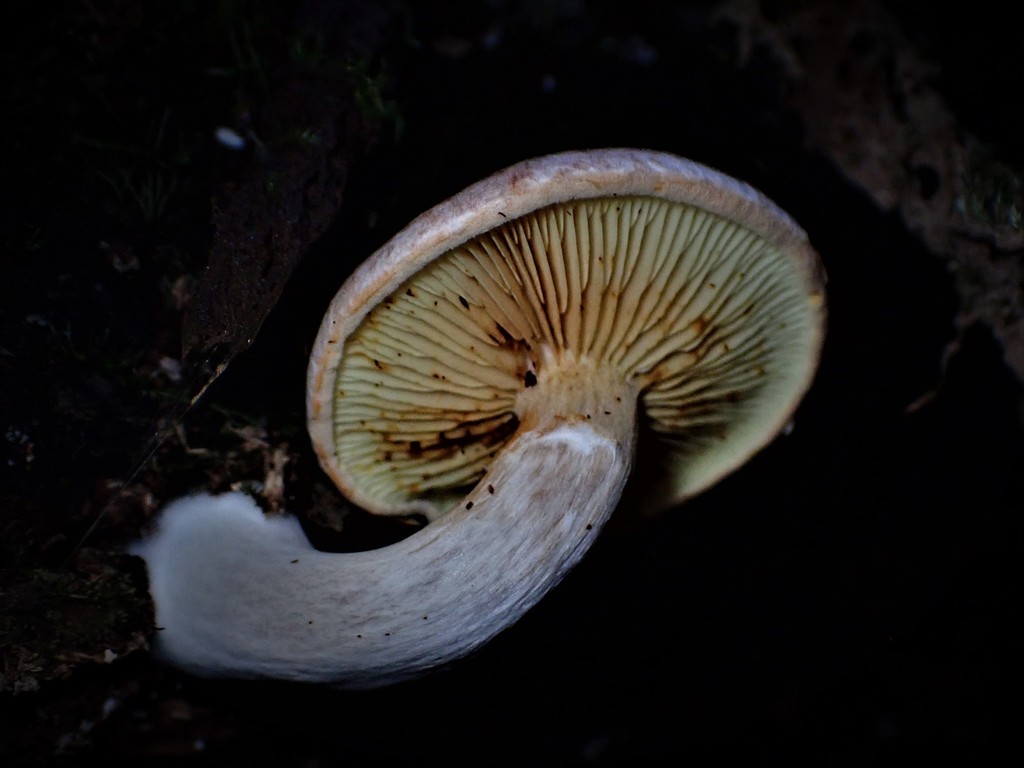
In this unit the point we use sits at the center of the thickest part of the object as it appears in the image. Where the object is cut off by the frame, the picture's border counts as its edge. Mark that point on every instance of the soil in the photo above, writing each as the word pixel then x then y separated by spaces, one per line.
pixel 185 187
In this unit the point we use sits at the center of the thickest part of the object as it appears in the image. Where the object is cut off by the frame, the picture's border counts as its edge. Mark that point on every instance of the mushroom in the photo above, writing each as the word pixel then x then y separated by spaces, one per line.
pixel 490 369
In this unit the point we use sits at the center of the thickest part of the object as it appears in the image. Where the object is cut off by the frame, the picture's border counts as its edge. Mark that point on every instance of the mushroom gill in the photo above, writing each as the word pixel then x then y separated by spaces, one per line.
pixel 688 309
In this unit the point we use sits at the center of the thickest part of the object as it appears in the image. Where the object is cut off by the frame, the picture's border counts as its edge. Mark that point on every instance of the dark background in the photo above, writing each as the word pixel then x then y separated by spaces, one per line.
pixel 848 598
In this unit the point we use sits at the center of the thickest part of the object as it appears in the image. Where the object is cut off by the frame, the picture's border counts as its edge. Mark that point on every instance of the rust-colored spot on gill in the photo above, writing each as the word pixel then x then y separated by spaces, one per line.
pixel 487 432
pixel 700 325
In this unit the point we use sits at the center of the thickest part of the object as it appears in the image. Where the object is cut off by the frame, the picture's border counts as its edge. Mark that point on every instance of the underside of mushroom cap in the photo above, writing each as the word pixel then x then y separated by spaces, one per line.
pixel 702 299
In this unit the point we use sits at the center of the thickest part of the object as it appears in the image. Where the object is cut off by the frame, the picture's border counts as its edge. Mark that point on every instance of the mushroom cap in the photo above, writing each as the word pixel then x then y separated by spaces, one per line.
pixel 690 285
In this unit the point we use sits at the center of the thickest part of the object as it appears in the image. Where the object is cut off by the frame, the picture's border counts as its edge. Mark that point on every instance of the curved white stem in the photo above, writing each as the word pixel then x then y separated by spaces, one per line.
pixel 238 594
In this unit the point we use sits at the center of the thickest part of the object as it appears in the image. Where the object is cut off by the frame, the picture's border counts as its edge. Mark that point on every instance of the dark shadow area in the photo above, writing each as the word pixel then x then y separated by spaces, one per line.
pixel 845 598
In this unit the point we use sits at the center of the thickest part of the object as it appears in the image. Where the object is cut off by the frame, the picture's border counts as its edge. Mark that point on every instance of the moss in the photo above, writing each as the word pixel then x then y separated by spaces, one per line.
pixel 994 191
